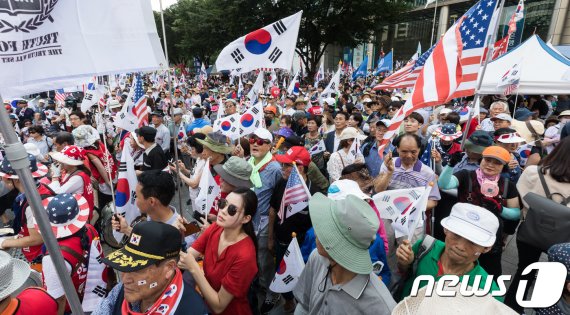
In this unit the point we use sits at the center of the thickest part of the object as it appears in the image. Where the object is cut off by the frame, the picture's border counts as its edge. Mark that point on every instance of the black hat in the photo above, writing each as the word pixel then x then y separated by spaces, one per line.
pixel 293 141
pixel 158 114
pixel 148 133
pixel 150 242
pixel 197 111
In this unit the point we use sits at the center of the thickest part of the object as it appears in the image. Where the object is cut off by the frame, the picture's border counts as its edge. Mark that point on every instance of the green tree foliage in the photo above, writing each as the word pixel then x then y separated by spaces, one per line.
pixel 201 28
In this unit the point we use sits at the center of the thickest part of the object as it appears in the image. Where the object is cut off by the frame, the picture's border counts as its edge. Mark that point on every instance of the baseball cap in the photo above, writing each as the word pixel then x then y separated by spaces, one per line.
pixel 177 111
pixel 445 110
pixel 150 242
pixel 498 153
pixel 271 108
pixel 264 134
pixel 473 223
pixel 502 116
pixel 522 114
pixel 296 154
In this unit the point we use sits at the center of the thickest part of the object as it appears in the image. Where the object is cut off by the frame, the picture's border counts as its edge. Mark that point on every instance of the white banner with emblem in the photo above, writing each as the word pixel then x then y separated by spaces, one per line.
pixel 49 44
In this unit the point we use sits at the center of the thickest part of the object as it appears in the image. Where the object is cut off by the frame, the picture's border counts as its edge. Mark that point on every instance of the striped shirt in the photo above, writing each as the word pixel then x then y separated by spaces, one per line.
pixel 417 176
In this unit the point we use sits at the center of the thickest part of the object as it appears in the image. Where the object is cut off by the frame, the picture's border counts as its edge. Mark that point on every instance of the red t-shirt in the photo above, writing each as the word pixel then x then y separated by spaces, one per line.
pixel 234 269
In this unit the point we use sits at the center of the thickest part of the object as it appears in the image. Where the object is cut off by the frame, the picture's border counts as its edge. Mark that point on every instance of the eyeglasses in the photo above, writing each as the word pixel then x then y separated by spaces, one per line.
pixel 258 141
pixel 223 203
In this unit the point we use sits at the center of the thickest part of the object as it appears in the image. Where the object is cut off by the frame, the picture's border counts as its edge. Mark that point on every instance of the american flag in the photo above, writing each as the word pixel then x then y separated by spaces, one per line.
pixel 60 95
pixel 139 108
pixel 296 195
pixel 407 76
pixel 510 80
pixel 452 69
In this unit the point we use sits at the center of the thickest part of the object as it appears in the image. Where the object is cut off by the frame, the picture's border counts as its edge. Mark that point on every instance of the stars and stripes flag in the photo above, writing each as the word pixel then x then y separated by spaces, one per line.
pixel 296 195
pixel 139 108
pixel 60 95
pixel 452 68
pixel 406 77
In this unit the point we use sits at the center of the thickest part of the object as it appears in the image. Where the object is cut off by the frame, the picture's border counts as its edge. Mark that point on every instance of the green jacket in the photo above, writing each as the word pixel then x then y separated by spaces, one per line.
pixel 428 266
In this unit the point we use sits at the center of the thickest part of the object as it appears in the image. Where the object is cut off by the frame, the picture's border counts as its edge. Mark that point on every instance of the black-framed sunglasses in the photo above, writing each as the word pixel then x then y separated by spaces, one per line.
pixel 223 203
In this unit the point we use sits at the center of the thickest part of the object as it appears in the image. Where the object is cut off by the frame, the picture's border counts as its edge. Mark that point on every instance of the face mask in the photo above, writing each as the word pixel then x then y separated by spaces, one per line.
pixel 489 188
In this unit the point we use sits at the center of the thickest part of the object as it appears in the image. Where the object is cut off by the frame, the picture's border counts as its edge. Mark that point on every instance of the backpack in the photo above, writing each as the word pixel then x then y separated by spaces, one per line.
pixel 547 222
pixel 397 288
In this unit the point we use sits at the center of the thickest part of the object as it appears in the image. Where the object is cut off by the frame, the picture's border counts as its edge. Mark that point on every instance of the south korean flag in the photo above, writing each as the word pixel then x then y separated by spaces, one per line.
pixel 271 46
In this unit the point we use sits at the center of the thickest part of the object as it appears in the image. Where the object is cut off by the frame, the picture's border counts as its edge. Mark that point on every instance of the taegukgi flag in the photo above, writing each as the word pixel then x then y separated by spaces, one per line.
pixel 271 46
pixel 289 270
pixel 47 44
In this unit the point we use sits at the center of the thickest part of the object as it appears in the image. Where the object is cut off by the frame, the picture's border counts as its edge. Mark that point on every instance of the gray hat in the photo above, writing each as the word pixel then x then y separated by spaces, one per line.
pixel 299 115
pixel 13 274
pixel 236 171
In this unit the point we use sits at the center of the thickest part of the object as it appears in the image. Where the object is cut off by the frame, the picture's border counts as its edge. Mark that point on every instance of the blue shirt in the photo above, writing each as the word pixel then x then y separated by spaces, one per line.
pixel 377 254
pixel 270 176
pixel 197 123
pixel 373 160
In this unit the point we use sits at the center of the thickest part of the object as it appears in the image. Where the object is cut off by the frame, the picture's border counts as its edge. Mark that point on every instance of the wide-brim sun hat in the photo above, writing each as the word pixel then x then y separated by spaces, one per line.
pixel 13 274
pixel 215 142
pixel 338 223
pixel 232 179
pixel 523 130
pixel 85 136
pixel 67 214
pixel 448 132
pixel 348 133
pixel 38 170
pixel 70 155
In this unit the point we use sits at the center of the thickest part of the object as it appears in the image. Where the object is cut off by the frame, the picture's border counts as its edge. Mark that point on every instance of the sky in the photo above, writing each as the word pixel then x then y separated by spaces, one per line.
pixel 165 4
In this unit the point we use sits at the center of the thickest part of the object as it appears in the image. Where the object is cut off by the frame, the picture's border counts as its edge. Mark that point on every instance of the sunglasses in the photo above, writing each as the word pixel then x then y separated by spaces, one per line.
pixel 391 109
pixel 223 203
pixel 258 141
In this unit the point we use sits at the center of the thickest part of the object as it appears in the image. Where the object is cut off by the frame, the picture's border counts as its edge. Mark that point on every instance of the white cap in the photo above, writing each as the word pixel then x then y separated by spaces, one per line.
pixel 445 110
pixel 341 188
pixel 329 100
pixel 114 103
pixel 264 134
pixel 473 223
pixel 502 116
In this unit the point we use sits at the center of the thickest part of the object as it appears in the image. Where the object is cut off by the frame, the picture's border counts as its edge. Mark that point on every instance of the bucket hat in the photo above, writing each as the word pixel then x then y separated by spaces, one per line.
pixel 348 133
pixel 478 141
pixel 345 228
pixel 236 171
pixel 448 132
pixel 32 149
pixel 67 214
pixel 13 274
pixel 38 170
pixel 217 142
pixel 70 155
pixel 523 114
pixel 150 242
pixel 85 136
pixel 473 223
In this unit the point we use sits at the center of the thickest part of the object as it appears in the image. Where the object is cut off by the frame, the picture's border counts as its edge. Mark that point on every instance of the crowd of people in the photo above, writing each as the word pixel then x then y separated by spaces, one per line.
pixel 479 168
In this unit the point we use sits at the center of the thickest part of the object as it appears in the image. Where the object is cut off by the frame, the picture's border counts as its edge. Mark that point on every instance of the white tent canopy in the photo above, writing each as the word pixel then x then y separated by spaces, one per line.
pixel 543 69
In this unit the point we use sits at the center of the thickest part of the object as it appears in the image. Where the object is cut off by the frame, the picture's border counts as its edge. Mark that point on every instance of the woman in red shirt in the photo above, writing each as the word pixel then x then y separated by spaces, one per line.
pixel 229 248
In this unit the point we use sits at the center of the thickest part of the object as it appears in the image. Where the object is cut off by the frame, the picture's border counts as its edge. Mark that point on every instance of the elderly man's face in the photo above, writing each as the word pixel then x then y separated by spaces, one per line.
pixel 408 151
pixel 497 109
pixel 499 123
pixel 148 282
pixel 460 250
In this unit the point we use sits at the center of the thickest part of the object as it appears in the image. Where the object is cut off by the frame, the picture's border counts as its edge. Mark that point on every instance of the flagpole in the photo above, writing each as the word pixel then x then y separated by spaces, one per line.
pixel 432 24
pixel 17 156
pixel 489 47
pixel 171 112
pixel 108 169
